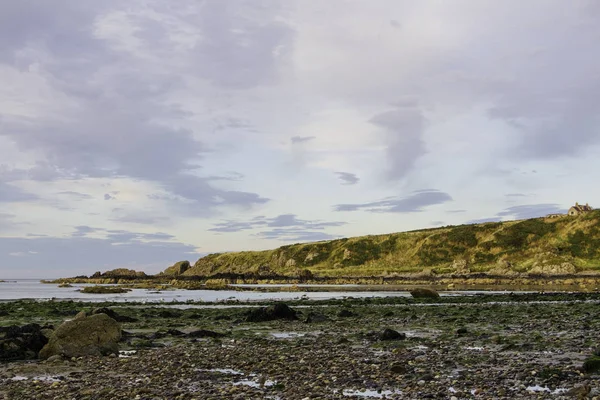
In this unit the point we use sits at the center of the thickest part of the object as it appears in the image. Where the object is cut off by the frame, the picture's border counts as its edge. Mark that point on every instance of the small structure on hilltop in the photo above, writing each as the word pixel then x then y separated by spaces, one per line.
pixel 579 209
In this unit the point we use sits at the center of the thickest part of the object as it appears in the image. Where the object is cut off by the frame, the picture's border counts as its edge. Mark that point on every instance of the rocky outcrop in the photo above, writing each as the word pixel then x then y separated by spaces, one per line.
pixel 177 269
pixel 565 268
pixel 424 293
pixel 21 342
pixel 276 311
pixel 84 336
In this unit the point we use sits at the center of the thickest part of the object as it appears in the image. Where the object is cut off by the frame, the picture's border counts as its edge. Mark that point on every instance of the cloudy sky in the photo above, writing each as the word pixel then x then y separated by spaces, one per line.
pixel 135 134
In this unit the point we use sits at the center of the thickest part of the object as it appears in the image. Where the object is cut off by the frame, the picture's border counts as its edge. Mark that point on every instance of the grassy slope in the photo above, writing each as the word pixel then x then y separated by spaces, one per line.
pixel 525 244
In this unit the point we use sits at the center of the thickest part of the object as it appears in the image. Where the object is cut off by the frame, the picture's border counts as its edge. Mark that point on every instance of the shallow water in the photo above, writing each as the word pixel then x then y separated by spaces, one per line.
pixel 370 393
pixel 34 289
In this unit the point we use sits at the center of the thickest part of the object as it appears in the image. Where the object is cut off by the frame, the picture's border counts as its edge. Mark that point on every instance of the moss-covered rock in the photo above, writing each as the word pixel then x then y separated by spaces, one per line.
pixel 592 364
pixel 424 293
pixel 84 336
pixel 104 289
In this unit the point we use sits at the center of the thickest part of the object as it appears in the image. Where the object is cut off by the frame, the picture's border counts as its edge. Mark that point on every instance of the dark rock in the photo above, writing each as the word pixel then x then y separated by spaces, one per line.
pixel 202 333
pixel 167 314
pixel 390 334
pixel 113 315
pixel 20 343
pixel 398 368
pixel 424 293
pixel 313 317
pixel 592 364
pixel 346 314
pixel 270 313
pixel 175 332
pixel 462 331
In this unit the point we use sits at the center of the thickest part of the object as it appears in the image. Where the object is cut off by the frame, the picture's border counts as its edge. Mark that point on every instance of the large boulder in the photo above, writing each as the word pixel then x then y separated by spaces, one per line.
pixel 21 342
pixel 276 311
pixel 84 336
pixel 424 293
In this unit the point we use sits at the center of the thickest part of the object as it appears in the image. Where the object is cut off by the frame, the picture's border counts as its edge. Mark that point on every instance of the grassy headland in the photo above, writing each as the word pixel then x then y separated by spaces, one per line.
pixel 560 245
pixel 517 251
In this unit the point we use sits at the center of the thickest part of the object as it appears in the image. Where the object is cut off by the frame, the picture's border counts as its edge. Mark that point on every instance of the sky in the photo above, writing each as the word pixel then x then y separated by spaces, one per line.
pixel 137 134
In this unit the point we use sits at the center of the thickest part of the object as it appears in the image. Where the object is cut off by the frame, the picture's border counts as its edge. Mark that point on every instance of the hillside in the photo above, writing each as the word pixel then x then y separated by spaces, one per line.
pixel 559 245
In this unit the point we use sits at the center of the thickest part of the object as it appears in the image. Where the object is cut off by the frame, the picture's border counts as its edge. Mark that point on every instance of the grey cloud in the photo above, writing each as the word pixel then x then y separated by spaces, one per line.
pixel 83 230
pixel 49 257
pixel 348 178
pixel 296 235
pixel 287 221
pixel 484 220
pixel 242 41
pixel 109 197
pixel 76 195
pixel 11 194
pixel 57 25
pixel 232 176
pixel 115 131
pixel 515 195
pixel 532 211
pixel 404 128
pixel 456 211
pixel 302 139
pixel 416 202
pixel 523 212
pixel 138 217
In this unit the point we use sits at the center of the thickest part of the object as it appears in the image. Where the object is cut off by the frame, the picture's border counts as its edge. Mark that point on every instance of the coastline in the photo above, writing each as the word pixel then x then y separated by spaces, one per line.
pixel 519 345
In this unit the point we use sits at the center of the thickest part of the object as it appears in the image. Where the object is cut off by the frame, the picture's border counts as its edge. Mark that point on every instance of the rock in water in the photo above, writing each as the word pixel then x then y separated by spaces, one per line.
pixel 86 336
pixel 390 334
pixel 276 311
pixel 424 293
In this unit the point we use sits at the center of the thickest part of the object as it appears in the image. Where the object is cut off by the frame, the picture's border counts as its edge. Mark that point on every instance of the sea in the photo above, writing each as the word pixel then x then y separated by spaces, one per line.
pixel 34 289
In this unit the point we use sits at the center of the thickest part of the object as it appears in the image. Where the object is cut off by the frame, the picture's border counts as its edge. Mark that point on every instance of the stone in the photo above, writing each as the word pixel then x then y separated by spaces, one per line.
pixel 591 364
pixel 271 313
pixel 398 368
pixel 86 336
pixel 424 293
pixel 202 333
pixel 462 331
pixel 346 314
pixel 113 315
pixel 390 334
pixel 21 343
pixel 314 317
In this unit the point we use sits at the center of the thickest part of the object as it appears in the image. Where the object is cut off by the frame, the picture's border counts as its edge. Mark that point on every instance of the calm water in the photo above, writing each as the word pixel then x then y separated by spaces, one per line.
pixel 33 289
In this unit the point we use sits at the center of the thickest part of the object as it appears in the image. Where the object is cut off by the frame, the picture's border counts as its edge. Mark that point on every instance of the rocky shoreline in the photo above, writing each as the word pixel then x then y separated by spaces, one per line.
pixel 524 346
